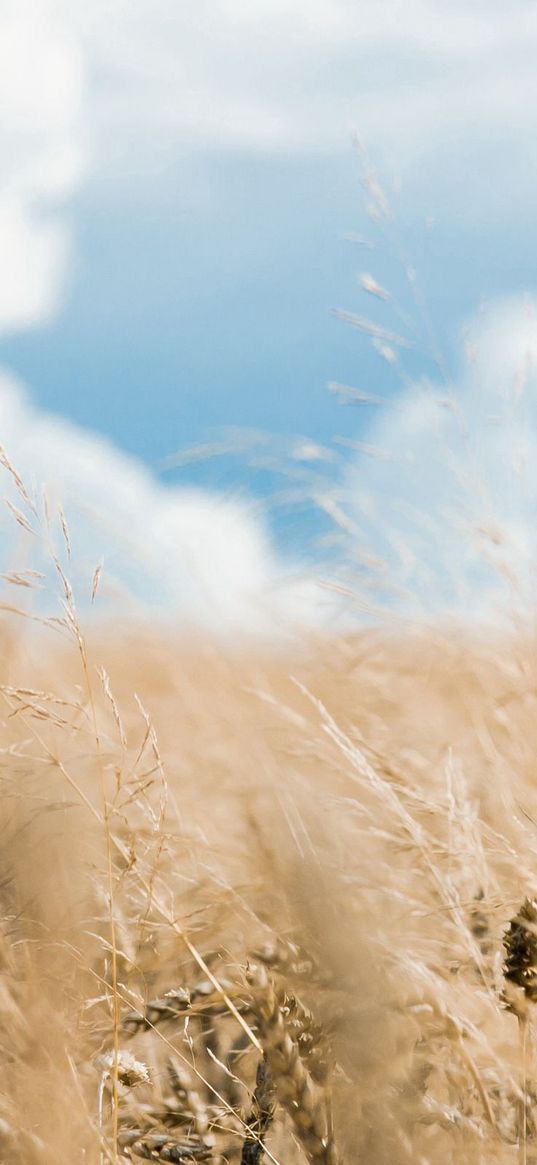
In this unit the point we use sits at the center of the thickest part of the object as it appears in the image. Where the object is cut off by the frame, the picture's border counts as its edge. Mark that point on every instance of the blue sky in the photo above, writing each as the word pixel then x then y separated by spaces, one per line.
pixel 180 193
pixel 178 320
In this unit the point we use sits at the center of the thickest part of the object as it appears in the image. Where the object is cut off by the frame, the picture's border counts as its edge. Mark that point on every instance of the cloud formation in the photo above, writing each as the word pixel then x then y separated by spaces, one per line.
pixel 109 89
pixel 450 507
pixel 41 85
pixel 201 558
pixel 299 76
pixel 441 507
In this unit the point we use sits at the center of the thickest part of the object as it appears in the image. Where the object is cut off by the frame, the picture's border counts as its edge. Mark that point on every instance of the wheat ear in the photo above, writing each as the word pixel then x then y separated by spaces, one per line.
pixel 292 1082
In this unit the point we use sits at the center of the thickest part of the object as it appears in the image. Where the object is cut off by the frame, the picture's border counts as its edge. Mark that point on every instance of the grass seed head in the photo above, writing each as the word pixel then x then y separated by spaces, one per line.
pixel 130 1071
pixel 520 943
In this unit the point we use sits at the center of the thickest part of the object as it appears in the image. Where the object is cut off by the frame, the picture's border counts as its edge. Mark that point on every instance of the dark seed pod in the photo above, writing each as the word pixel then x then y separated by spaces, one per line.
pixel 520 942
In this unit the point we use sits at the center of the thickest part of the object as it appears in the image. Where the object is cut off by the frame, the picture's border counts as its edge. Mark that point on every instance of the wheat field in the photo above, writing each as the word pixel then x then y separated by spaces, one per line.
pixel 255 900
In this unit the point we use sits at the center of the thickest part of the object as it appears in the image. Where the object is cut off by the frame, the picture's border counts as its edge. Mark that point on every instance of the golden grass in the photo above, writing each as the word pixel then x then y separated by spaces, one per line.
pixel 254 902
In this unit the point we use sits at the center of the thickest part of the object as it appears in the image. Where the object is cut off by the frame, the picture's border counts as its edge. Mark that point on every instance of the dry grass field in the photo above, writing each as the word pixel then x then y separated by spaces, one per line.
pixel 254 902
pixel 262 901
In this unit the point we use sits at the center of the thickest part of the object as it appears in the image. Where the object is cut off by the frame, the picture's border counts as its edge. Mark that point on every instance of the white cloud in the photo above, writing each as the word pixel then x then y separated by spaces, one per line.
pixel 118 80
pixel 459 488
pixel 449 512
pixel 299 75
pixel 205 559
pixel 34 256
pixel 451 509
pixel 42 159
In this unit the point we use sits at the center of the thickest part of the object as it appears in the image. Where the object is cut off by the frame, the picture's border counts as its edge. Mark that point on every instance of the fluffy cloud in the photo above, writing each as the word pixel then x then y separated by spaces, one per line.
pixel 265 75
pixel 108 84
pixel 207 558
pixel 202 558
pixel 441 507
pixel 449 509
pixel 42 158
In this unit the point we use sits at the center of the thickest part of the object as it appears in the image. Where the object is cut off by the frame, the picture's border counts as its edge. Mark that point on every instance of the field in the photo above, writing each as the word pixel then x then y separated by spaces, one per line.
pixel 254 901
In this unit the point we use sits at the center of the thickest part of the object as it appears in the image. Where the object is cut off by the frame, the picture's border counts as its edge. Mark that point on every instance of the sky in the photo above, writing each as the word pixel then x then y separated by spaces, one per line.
pixel 191 198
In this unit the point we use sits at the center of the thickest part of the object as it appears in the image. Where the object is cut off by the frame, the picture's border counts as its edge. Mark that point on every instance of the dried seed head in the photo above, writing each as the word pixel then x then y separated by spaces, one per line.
pixel 159 1146
pixel 130 1071
pixel 520 942
pixel 294 1087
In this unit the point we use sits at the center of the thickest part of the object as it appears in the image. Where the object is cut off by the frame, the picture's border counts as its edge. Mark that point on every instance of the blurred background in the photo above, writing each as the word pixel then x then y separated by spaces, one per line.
pixel 266 300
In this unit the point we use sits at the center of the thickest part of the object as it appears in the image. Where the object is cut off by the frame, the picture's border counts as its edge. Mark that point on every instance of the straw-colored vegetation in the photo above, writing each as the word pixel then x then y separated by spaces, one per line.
pixel 263 904
pixel 255 904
